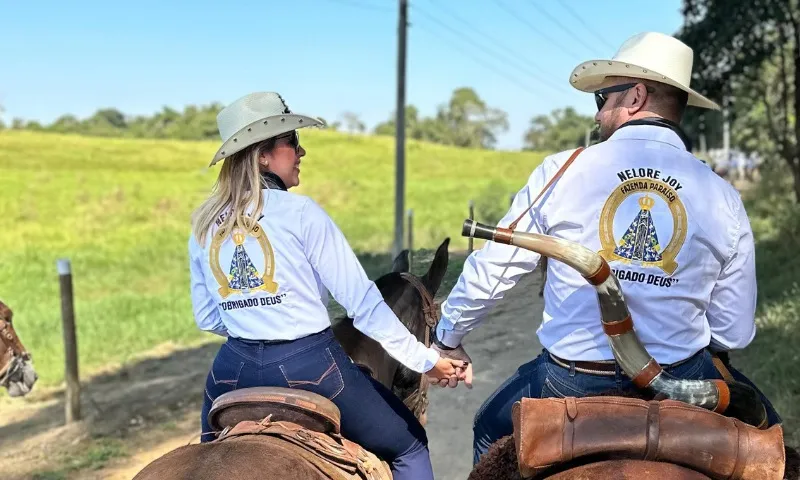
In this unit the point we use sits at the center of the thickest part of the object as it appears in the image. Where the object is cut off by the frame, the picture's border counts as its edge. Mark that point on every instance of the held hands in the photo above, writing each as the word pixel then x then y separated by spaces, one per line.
pixel 450 358
pixel 447 370
pixel 458 355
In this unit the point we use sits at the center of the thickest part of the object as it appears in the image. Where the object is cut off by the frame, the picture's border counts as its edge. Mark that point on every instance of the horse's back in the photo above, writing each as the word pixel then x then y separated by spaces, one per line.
pixel 259 457
pixel 629 470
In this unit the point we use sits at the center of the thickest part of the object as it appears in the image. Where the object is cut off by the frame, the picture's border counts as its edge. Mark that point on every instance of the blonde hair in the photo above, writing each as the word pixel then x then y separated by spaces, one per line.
pixel 238 187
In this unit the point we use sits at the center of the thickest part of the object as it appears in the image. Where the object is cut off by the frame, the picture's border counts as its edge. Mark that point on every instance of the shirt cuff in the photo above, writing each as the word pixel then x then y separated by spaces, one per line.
pixel 430 361
pixel 450 338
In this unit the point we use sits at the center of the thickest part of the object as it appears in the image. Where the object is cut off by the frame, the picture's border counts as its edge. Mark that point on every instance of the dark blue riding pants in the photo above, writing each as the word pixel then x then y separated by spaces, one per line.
pixel 371 415
pixel 544 378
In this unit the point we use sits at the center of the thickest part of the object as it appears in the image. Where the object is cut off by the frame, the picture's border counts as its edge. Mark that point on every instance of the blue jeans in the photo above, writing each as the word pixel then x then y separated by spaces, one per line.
pixel 371 415
pixel 544 378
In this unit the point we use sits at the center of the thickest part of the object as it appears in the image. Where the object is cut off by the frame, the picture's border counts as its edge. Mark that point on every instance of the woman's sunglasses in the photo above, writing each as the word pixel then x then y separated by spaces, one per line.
pixel 294 139
pixel 600 95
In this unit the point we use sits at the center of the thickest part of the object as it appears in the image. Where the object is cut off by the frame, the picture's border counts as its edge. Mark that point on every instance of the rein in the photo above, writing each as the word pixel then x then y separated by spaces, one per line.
pixel 417 402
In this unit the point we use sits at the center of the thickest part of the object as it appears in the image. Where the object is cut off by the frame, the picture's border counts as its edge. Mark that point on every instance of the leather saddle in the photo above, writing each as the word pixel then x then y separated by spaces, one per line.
pixel 307 409
pixel 550 432
pixel 305 424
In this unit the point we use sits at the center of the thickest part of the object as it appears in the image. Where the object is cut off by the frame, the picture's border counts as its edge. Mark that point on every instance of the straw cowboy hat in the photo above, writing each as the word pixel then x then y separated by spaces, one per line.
pixel 650 56
pixel 254 118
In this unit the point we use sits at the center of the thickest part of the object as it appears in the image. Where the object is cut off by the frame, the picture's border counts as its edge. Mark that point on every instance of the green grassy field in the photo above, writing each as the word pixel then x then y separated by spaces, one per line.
pixel 119 210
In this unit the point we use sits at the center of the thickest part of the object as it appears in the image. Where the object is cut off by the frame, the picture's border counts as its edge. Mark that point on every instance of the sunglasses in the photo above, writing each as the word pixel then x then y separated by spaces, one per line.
pixel 600 97
pixel 294 139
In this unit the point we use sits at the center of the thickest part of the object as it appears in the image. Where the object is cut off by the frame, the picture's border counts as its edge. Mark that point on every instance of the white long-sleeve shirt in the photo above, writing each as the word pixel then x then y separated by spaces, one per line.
pixel 274 284
pixel 675 234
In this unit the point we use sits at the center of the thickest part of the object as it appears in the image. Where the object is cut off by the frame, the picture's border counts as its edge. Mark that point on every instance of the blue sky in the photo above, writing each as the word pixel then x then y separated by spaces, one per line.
pixel 324 56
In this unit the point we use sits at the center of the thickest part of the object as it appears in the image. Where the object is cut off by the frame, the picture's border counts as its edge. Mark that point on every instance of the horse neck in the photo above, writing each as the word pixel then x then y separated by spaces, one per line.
pixel 406 382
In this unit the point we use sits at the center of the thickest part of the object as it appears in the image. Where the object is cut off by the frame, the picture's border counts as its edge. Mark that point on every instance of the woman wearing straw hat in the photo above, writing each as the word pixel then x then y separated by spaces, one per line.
pixel 262 261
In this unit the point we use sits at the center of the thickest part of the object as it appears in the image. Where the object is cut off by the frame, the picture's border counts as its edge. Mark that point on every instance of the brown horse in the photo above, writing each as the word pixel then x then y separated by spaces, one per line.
pixel 16 370
pixel 417 310
pixel 692 436
pixel 269 457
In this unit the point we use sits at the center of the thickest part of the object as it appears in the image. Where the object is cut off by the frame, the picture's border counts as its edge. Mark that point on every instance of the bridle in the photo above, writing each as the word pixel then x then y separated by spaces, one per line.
pixel 9 337
pixel 417 402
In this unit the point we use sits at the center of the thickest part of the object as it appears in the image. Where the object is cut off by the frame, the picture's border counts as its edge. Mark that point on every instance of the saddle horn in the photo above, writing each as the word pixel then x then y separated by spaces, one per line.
pixel 737 399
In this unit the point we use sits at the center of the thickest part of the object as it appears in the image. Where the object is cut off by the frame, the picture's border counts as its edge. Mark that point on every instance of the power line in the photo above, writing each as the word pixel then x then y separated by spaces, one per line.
pixel 558 22
pixel 522 20
pixel 480 46
pixel 456 46
pixel 502 47
pixel 586 25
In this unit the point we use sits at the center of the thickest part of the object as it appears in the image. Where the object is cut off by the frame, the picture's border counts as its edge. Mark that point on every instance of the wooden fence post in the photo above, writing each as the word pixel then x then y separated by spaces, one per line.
pixel 72 404
pixel 471 217
pixel 410 237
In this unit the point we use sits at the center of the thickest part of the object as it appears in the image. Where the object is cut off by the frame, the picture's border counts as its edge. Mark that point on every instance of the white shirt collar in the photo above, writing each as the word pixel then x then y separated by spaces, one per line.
pixel 648 132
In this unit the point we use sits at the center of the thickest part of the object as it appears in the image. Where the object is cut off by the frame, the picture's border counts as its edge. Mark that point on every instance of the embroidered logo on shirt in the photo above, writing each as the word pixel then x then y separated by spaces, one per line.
pixel 243 275
pixel 643 222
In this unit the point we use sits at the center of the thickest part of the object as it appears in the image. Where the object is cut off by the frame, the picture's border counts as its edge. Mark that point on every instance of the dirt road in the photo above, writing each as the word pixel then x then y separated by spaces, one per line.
pixel 506 340
pixel 134 415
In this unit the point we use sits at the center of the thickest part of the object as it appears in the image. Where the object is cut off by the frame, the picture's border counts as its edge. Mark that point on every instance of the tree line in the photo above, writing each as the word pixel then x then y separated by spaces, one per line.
pixel 747 56
pixel 464 121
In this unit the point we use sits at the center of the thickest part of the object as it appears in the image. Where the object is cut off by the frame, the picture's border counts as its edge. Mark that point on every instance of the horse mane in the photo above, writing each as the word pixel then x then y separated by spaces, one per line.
pixel 500 461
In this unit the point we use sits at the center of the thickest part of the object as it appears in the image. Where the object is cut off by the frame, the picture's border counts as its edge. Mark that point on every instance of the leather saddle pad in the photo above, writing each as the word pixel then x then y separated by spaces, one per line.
pixel 307 409
pixel 552 431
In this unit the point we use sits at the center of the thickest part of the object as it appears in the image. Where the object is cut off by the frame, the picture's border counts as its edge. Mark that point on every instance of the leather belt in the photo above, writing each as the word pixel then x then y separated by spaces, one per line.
pixel 604 367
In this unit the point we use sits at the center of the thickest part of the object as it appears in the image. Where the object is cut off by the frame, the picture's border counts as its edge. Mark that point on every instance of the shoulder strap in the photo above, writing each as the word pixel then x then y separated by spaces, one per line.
pixel 555 177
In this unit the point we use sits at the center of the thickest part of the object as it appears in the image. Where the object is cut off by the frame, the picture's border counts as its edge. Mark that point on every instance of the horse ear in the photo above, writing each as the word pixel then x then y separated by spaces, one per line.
pixel 433 278
pixel 400 263
pixel 5 312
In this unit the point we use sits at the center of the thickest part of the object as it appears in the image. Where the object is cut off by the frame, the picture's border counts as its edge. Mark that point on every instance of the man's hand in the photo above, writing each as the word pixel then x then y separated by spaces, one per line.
pixel 457 353
pixel 446 370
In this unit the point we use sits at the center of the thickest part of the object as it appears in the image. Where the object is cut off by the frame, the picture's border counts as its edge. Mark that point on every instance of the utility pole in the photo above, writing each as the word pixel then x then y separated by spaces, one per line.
pixel 703 148
pixel 400 129
pixel 726 133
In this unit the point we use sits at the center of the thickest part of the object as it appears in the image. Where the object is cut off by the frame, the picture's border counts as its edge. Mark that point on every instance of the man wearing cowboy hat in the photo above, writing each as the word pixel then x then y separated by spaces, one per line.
pixel 676 236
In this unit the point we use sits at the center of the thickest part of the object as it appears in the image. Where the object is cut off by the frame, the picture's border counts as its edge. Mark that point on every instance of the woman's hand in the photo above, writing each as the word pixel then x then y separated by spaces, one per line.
pixel 445 369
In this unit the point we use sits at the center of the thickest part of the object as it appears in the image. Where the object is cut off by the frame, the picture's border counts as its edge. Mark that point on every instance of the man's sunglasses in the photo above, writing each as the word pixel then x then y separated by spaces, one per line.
pixel 600 95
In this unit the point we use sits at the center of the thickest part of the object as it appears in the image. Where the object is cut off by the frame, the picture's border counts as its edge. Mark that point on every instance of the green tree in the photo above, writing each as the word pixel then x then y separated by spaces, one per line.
pixel 389 127
pixel 352 122
pixel 563 129
pixel 66 124
pixel 470 121
pixel 464 121
pixel 750 51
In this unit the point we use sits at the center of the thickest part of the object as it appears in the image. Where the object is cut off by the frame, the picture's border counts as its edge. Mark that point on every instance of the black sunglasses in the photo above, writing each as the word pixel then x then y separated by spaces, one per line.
pixel 294 139
pixel 600 95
